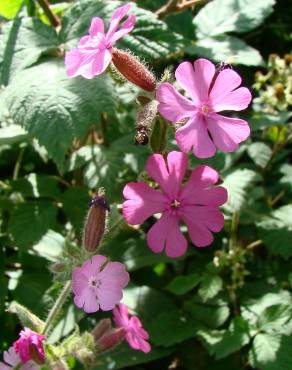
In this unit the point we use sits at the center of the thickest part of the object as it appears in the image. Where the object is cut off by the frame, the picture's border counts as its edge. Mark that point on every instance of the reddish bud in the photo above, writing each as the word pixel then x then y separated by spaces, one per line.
pixel 95 223
pixel 103 327
pixel 111 340
pixel 133 70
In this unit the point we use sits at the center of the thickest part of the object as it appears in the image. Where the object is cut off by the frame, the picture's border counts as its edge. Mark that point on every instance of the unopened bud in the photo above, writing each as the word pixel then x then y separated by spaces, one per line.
pixel 95 223
pixel 35 354
pixel 60 365
pixel 103 327
pixel 111 340
pixel 145 118
pixel 27 318
pixel 133 70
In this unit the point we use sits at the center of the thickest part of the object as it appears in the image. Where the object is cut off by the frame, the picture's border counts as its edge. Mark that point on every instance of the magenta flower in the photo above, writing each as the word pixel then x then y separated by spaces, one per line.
pixel 136 336
pixel 196 204
pixel 98 284
pixel 94 51
pixel 12 360
pixel 210 92
pixel 30 346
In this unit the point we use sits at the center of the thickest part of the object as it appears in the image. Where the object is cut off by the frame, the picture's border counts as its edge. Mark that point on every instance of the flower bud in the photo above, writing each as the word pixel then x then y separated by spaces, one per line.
pixel 133 70
pixel 111 340
pixel 103 327
pixel 145 118
pixel 95 223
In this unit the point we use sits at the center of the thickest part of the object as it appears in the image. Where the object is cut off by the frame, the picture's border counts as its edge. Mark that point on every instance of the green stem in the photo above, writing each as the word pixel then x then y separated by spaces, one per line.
pixel 57 306
pixel 18 163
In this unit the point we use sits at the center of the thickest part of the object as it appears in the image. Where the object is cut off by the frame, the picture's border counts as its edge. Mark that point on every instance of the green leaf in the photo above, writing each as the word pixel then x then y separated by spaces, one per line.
pixel 75 204
pixel 286 170
pixel 284 214
pixel 183 284
pixel 9 8
pixel 12 134
pixel 50 246
pixel 271 352
pixel 228 48
pixel 210 286
pixel 55 109
pixel 22 42
pixel 150 39
pixel 260 153
pixel 222 343
pixel 212 314
pixel 274 318
pixel 221 16
pixel 172 327
pixel 238 184
pixel 30 221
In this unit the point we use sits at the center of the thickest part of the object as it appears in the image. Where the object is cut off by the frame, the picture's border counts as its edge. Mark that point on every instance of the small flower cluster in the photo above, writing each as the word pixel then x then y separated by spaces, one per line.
pixel 189 197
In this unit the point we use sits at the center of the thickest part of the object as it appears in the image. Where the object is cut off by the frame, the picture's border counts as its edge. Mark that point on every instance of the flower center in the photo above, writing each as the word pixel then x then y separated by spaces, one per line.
pixel 205 109
pixel 93 282
pixel 175 204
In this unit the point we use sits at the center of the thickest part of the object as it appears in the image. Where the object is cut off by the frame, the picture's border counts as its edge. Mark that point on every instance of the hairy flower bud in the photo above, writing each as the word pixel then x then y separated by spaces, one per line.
pixel 103 327
pixel 111 340
pixel 133 70
pixel 95 223
pixel 145 118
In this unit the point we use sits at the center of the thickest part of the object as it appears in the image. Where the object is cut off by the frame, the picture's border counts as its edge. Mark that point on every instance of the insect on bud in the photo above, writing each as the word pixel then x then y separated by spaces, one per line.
pixel 95 223
pixel 133 70
pixel 145 117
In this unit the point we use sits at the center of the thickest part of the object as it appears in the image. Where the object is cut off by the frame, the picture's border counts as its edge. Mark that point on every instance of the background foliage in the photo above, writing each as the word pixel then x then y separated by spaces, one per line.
pixel 225 307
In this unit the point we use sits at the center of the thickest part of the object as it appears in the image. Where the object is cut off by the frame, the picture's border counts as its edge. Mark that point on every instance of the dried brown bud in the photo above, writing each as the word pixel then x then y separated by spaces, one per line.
pixel 133 70
pixel 288 58
pixel 95 223
pixel 101 329
pixel 144 120
pixel 111 340
pixel 279 90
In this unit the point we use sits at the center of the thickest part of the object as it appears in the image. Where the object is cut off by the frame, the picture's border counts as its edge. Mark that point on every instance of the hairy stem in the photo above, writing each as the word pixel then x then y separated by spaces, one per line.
pixel 53 18
pixel 57 306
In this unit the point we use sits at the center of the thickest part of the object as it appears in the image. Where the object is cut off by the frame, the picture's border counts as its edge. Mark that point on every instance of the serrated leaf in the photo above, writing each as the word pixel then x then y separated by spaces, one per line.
pixel 56 109
pixel 172 327
pixel 286 170
pixel 260 153
pixel 210 286
pixel 237 184
pixel 12 134
pixel 30 221
pixel 50 246
pixel 150 38
pixel 221 16
pixel 271 352
pixel 284 214
pixel 222 343
pixel 183 284
pixel 228 48
pixel 274 318
pixel 9 8
pixel 22 42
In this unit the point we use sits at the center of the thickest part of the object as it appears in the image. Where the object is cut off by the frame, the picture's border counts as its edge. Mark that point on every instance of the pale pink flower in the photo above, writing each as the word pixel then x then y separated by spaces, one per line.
pixel 210 92
pixel 94 51
pixel 136 336
pixel 12 360
pixel 196 204
pixel 30 346
pixel 98 284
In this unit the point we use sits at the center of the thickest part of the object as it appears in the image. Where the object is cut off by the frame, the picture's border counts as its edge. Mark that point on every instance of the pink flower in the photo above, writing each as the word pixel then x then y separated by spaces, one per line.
pixel 136 336
pixel 98 284
pixel 12 360
pixel 210 92
pixel 30 346
pixel 196 204
pixel 94 51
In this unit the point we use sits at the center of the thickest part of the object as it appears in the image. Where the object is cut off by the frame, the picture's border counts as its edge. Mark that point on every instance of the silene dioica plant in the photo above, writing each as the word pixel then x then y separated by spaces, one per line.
pixel 178 199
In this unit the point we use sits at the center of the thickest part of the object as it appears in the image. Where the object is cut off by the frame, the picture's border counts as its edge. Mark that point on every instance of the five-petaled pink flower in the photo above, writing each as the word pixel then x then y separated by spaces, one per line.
pixel 30 346
pixel 136 336
pixel 12 360
pixel 98 284
pixel 93 54
pixel 210 92
pixel 196 204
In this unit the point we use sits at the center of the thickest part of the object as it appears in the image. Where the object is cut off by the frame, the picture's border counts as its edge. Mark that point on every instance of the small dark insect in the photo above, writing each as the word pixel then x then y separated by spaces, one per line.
pixel 95 223
pixel 142 136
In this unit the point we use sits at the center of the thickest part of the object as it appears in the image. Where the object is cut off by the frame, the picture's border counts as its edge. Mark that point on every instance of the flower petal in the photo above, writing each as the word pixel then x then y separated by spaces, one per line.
pixel 177 164
pixel 227 132
pixel 165 233
pixel 127 27
pixel 172 105
pixel 116 18
pixel 226 81
pixel 200 220
pixel 194 136
pixel 196 81
pixel 137 343
pixel 87 301
pixel 121 315
pixel 96 26
pixel 79 281
pixel 142 202
pixel 114 274
pixel 92 266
